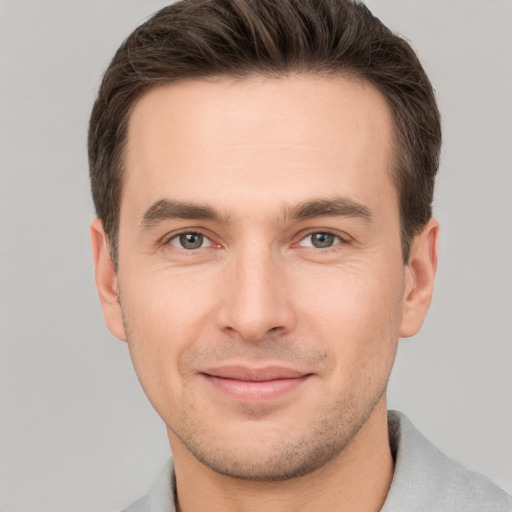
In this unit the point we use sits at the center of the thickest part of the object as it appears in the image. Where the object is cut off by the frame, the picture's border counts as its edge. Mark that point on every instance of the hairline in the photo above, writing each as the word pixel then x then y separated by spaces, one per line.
pixel 396 147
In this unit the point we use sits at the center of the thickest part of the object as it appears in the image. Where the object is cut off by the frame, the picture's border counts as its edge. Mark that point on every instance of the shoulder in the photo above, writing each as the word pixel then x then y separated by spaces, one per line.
pixel 161 495
pixel 425 479
pixel 141 505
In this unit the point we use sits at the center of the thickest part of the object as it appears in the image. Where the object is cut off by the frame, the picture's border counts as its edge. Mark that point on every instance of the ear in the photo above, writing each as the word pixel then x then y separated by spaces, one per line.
pixel 419 279
pixel 106 280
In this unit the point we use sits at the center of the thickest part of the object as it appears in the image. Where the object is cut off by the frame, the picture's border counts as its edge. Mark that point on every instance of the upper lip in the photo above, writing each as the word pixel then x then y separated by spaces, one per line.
pixel 254 374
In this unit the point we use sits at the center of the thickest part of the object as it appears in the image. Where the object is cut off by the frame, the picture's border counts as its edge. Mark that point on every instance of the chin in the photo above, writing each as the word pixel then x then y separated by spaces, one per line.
pixel 258 451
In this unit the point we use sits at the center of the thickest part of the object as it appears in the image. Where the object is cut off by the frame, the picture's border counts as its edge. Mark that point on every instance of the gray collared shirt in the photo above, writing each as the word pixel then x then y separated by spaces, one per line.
pixel 424 480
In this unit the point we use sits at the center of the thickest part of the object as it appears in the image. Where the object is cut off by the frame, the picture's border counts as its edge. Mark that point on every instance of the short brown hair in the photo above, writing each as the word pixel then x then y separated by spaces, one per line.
pixel 193 39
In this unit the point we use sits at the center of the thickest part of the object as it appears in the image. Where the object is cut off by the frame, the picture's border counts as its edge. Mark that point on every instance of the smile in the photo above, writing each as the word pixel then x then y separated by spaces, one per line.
pixel 254 385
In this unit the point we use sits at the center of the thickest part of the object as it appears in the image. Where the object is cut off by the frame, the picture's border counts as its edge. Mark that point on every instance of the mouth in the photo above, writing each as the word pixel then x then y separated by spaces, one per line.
pixel 254 385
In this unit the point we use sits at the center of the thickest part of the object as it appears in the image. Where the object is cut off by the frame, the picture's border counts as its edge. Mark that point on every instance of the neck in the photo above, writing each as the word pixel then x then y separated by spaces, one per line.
pixel 358 479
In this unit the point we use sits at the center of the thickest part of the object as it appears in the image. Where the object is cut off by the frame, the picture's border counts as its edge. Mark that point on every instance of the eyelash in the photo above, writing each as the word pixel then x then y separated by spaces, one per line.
pixel 341 239
pixel 176 236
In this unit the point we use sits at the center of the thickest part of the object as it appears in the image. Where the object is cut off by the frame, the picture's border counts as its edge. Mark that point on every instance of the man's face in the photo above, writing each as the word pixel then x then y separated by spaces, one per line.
pixel 260 270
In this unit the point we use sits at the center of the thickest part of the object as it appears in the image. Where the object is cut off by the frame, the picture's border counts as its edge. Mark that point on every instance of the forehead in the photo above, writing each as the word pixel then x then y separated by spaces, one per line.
pixel 213 139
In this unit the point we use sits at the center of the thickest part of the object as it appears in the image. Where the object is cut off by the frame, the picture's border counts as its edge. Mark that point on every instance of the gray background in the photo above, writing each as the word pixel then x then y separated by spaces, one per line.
pixel 76 432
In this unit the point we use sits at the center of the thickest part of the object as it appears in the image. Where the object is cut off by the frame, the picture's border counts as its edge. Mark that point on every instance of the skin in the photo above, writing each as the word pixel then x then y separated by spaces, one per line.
pixel 239 163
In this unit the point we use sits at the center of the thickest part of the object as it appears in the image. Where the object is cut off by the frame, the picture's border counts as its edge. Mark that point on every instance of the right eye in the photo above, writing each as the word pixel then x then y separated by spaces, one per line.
pixel 190 241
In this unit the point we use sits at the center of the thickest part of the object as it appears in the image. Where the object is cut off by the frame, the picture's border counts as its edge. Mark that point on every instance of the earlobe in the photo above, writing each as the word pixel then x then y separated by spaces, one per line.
pixel 106 280
pixel 420 273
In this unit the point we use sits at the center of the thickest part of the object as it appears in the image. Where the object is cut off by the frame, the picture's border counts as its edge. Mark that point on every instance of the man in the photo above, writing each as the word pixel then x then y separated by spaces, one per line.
pixel 263 175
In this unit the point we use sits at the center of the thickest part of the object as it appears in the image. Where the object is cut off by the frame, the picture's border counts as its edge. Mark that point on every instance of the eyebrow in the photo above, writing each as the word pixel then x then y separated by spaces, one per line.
pixel 335 207
pixel 168 209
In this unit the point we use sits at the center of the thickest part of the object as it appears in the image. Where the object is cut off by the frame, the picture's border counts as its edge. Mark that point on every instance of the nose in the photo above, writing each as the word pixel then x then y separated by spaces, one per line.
pixel 256 301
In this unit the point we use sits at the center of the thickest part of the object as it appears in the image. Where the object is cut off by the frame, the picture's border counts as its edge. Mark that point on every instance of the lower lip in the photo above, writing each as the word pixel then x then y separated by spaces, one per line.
pixel 255 391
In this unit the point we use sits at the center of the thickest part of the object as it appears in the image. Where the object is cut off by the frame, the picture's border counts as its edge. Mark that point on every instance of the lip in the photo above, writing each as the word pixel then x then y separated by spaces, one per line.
pixel 254 385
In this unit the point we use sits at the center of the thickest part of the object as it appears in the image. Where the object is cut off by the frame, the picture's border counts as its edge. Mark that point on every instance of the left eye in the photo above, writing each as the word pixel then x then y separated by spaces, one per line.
pixel 320 240
pixel 190 241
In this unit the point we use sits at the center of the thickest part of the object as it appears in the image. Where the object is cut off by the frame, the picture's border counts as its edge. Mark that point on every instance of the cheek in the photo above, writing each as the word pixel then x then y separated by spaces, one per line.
pixel 356 314
pixel 360 330
pixel 164 316
pixel 165 306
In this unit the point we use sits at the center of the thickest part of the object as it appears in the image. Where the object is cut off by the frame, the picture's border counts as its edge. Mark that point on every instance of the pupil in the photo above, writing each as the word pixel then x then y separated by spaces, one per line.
pixel 322 240
pixel 191 240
